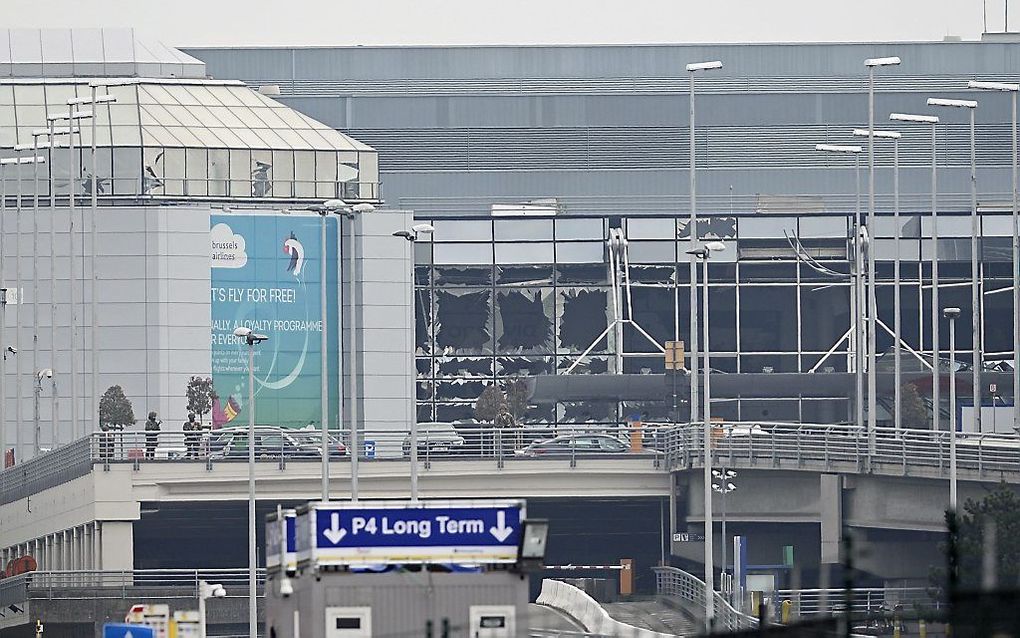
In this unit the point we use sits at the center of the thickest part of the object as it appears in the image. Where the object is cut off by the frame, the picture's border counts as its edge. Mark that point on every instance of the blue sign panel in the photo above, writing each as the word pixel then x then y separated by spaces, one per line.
pixel 485 532
pixel 118 630
pixel 266 275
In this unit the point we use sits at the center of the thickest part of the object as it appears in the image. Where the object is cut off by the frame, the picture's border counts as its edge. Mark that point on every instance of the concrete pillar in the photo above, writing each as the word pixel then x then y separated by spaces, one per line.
pixel 831 506
pixel 117 547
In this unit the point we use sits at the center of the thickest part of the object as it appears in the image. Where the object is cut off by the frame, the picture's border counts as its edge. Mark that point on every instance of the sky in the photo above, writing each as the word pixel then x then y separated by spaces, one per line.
pixel 183 23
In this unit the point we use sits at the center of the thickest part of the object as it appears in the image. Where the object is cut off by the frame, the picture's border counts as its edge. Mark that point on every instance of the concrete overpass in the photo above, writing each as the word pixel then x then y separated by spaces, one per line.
pixel 87 507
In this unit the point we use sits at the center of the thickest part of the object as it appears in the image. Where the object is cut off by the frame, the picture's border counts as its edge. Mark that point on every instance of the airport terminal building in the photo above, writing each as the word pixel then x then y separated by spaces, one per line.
pixel 528 159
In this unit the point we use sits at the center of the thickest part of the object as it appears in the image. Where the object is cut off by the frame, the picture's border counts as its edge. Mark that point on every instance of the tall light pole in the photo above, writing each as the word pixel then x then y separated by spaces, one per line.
pixel 975 269
pixel 703 253
pixel 933 121
pixel 328 207
pixel 872 64
pixel 857 272
pixel 34 160
pixel 872 299
pixel 952 314
pixel 413 236
pixel 693 69
pixel 71 117
pixel 723 487
pixel 94 100
pixel 252 339
pixel 7 161
pixel 1012 89
pixel 352 213
pixel 52 131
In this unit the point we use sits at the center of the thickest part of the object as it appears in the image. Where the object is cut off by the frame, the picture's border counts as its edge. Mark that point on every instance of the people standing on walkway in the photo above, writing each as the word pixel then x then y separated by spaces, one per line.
pixel 192 435
pixel 151 435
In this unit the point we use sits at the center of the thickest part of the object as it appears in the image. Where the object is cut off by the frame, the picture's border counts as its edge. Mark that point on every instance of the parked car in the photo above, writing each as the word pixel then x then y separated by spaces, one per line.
pixel 271 442
pixel 577 445
pixel 435 440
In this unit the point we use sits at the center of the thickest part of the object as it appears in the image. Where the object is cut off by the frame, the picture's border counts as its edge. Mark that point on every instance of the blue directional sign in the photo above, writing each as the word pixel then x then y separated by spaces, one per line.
pixel 119 630
pixel 275 529
pixel 432 532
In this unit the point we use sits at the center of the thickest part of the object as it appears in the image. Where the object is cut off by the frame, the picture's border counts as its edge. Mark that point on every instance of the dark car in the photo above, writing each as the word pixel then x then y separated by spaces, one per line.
pixel 578 445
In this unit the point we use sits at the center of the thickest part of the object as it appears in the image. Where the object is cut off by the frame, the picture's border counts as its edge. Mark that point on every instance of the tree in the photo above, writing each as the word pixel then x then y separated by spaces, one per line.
pixel 490 403
pixel 999 513
pixel 200 396
pixel 915 414
pixel 115 411
pixel 516 392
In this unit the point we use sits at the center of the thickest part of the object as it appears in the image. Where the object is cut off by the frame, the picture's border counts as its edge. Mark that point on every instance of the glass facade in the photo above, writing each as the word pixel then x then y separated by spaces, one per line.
pixel 186 138
pixel 503 298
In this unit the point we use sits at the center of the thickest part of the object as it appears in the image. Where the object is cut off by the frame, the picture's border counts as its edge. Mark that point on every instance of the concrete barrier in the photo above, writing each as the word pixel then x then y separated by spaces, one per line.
pixel 588 611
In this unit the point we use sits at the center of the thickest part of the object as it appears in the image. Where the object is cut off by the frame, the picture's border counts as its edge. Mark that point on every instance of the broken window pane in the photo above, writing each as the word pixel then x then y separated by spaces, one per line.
pixel 463 322
pixel 583 316
pixel 524 320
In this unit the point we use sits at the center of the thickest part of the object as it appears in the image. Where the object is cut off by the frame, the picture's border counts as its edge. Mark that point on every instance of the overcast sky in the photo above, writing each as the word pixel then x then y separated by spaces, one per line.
pixel 346 22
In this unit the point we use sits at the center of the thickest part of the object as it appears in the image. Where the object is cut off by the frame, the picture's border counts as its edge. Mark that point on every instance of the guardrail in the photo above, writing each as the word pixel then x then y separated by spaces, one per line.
pixel 864 600
pixel 90 585
pixel 826 448
pixel 690 590
pixel 847 448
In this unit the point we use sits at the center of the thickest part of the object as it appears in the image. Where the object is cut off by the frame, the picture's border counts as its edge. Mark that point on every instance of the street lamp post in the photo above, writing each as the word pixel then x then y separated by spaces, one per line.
pixel 71 117
pixel 693 69
pixel 724 487
pixel 7 161
pixel 351 213
pixel 933 121
pixel 413 236
pixel 975 285
pixel 952 314
pixel 94 100
pixel 857 272
pixel 872 306
pixel 252 339
pixel 872 299
pixel 52 132
pixel 1012 89
pixel 703 253
pixel 34 160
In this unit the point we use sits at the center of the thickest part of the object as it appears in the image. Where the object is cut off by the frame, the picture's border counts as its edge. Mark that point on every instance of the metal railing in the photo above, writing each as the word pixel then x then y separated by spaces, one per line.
pixel 690 590
pixel 864 600
pixel 826 448
pixel 889 451
pixel 114 584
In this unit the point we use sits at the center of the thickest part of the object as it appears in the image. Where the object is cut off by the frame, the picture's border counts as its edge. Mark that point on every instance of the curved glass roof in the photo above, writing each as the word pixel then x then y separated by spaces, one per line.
pixel 191 138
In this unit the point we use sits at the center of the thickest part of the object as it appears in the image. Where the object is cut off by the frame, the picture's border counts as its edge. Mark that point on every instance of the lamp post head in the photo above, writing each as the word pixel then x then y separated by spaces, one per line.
pixel 406 234
pixel 951 313
pixel 890 61
pixel 250 337
pixel 959 104
pixel 363 208
pixel 888 135
pixel 916 119
pixel 837 148
pixel 704 66
pixel 423 229
pixel 993 86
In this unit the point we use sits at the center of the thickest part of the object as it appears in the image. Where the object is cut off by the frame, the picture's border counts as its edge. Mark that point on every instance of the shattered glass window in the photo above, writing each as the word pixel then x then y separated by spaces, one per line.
pixel 524 321
pixel 463 321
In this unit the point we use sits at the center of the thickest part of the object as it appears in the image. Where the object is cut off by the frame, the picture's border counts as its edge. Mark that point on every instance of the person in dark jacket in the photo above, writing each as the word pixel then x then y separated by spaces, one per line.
pixel 192 435
pixel 151 435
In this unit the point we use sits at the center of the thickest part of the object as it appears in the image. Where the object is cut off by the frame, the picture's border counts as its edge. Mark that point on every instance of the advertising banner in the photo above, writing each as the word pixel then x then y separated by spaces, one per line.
pixel 266 276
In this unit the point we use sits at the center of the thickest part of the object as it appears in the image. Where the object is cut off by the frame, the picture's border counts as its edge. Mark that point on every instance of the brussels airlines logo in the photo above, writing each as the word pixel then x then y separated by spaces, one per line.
pixel 292 247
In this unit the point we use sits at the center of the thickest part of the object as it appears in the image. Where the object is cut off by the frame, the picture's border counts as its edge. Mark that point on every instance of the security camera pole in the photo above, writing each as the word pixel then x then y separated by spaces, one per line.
pixel 251 338
pixel 412 236
pixel 36 391
pixel 205 592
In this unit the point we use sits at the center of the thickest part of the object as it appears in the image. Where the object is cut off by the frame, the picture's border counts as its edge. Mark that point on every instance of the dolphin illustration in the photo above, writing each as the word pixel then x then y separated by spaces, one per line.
pixel 293 247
